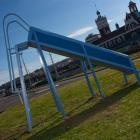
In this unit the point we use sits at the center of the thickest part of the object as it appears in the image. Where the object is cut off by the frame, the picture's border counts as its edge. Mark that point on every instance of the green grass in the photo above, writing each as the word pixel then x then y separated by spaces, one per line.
pixel 135 55
pixel 98 68
pixel 117 117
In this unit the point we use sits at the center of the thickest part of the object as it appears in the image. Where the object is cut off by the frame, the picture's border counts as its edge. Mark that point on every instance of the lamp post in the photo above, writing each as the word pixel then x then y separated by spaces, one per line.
pixel 28 74
pixel 55 69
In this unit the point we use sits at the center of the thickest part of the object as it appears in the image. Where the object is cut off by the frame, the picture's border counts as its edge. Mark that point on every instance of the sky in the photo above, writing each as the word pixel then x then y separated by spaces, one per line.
pixel 72 18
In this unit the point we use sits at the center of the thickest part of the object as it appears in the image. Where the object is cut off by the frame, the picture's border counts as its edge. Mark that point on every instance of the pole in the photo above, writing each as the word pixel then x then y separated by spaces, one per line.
pixel 8 58
pixel 125 79
pixel 84 68
pixel 49 79
pixel 55 69
pixel 136 72
pixel 93 72
pixel 26 69
pixel 24 91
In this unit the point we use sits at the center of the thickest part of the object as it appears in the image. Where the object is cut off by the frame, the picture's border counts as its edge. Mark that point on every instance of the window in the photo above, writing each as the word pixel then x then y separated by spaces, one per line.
pixel 119 40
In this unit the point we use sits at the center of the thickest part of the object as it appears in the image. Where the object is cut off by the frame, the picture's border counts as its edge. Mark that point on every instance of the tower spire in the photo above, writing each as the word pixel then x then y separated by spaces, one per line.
pixel 97 11
pixel 95 6
pixel 102 24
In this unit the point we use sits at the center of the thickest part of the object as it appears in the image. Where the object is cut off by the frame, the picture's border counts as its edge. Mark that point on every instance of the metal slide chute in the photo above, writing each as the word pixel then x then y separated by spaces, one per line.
pixel 58 44
pixel 73 48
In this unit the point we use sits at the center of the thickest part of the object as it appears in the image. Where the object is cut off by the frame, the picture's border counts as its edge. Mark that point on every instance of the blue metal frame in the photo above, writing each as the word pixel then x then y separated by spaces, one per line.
pixel 84 68
pixel 50 80
pixel 125 79
pixel 93 73
pixel 8 58
pixel 136 73
pixel 67 46
pixel 11 60
pixel 7 44
pixel 24 91
pixel 118 61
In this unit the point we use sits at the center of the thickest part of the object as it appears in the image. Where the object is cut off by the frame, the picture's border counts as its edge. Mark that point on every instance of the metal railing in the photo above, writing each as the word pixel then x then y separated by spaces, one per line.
pixel 6 24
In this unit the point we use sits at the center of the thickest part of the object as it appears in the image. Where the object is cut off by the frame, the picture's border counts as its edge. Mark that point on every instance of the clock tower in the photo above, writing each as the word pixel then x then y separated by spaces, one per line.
pixel 133 7
pixel 102 24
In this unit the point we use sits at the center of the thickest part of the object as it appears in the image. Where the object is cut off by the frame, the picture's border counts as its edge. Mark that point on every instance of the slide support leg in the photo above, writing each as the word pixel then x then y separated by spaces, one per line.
pixel 8 60
pixel 137 77
pixel 125 79
pixel 53 90
pixel 93 73
pixel 24 91
pixel 84 68
pixel 136 73
pixel 12 70
pixel 11 61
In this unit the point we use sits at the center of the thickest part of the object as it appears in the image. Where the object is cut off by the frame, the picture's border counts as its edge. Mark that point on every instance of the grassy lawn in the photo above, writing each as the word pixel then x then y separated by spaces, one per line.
pixel 117 117
pixel 98 68
pixel 135 55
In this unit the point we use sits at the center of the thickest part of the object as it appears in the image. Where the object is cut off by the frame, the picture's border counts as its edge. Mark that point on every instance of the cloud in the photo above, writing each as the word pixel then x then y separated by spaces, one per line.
pixel 109 21
pixel 80 32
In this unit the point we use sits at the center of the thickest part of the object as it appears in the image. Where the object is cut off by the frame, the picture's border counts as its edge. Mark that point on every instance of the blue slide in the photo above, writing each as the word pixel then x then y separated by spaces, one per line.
pixel 76 49
pixel 47 41
pixel 58 44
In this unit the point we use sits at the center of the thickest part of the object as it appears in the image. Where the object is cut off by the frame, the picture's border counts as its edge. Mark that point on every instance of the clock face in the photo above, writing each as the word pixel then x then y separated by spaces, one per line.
pixel 102 23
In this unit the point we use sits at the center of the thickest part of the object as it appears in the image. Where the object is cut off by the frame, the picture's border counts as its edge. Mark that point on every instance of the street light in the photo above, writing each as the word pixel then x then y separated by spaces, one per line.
pixel 55 69
pixel 26 70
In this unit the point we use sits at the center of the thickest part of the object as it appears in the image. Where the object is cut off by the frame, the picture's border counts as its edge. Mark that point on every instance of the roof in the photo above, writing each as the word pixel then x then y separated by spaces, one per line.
pixel 121 30
pixel 131 3
pixel 98 12
pixel 111 35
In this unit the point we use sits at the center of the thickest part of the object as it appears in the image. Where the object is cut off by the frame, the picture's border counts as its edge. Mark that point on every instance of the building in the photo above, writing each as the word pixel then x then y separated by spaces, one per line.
pixel 125 39
pixel 65 68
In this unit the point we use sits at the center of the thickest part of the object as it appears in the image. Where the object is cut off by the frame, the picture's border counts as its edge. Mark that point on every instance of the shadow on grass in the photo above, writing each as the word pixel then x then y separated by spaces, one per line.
pixel 79 118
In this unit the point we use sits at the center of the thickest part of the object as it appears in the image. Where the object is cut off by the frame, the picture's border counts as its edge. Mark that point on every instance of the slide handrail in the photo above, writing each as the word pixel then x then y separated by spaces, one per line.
pixel 21 22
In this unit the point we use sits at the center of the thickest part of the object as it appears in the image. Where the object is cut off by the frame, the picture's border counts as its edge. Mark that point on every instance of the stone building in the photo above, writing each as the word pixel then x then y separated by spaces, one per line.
pixel 125 39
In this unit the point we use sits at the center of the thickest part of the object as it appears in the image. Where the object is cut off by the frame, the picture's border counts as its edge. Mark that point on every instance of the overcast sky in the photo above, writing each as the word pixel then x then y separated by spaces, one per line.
pixel 72 18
